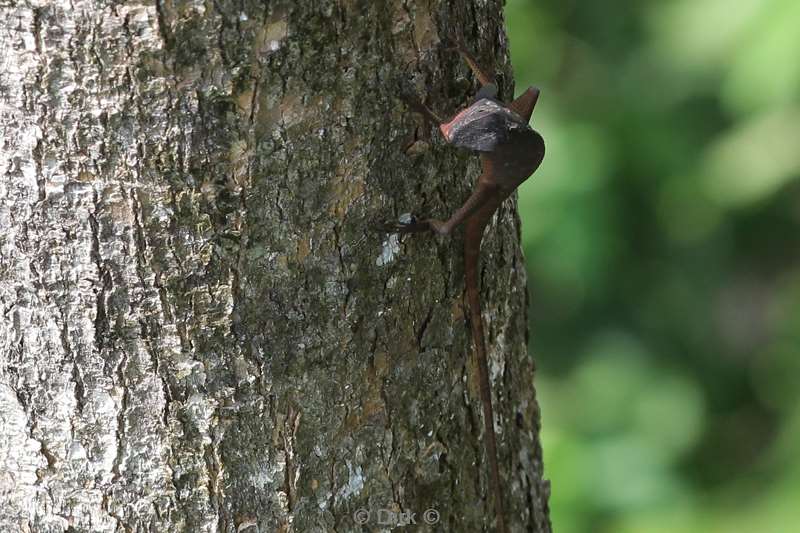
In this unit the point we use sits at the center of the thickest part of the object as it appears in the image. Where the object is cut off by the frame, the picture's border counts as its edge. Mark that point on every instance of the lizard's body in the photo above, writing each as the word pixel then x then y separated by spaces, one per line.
pixel 510 152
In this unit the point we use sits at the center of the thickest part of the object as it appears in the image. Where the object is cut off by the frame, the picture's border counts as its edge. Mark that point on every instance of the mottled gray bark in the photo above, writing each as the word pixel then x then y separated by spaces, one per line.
pixel 198 330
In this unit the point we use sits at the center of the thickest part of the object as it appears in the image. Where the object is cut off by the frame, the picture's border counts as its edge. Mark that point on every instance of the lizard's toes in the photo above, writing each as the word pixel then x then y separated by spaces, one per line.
pixel 412 226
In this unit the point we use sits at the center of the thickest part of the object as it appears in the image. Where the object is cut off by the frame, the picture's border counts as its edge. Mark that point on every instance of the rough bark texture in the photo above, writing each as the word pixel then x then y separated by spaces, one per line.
pixel 198 330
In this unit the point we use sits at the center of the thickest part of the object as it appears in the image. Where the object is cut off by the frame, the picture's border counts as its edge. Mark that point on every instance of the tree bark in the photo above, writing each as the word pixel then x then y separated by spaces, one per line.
pixel 200 330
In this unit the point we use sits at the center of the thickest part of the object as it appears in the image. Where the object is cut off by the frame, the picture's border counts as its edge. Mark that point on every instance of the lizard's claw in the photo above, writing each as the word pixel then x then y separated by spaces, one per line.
pixel 411 226
pixel 418 226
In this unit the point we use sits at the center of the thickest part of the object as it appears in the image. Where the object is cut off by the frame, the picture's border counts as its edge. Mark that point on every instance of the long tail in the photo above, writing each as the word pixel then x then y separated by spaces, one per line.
pixel 472 244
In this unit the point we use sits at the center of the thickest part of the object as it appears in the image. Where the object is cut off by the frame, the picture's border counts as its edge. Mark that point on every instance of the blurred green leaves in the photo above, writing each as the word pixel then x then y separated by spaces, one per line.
pixel 754 160
pixel 662 235
pixel 620 454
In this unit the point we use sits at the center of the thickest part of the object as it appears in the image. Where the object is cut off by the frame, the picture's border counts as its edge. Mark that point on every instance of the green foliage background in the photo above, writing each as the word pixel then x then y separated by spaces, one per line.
pixel 662 242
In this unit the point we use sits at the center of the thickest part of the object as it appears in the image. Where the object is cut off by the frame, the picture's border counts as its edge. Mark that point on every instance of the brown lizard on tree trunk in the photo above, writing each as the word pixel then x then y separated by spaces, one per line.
pixel 510 152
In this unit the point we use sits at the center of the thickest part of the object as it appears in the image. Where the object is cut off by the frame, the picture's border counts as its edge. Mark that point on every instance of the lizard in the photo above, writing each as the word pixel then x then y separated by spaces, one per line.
pixel 510 151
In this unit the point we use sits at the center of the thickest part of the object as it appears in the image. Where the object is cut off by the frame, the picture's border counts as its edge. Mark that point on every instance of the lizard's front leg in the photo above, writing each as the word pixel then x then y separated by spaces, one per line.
pixel 482 194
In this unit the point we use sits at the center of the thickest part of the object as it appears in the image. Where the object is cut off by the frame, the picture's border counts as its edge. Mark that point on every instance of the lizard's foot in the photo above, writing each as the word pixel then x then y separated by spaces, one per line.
pixel 415 226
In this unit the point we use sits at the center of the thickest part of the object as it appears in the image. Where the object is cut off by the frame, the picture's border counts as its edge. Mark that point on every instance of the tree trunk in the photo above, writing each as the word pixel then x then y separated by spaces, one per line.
pixel 200 330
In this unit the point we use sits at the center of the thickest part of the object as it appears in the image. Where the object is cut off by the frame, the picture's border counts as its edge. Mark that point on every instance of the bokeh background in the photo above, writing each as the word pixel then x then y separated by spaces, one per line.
pixel 663 247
